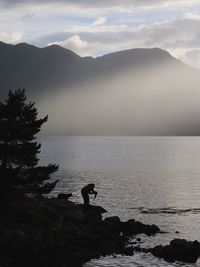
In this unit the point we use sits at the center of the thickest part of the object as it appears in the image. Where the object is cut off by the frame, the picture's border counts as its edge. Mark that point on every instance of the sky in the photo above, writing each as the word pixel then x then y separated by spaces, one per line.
pixel 94 28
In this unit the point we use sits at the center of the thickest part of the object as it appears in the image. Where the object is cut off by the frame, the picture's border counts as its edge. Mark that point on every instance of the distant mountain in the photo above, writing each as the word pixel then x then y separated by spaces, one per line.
pixel 36 69
pixel 131 92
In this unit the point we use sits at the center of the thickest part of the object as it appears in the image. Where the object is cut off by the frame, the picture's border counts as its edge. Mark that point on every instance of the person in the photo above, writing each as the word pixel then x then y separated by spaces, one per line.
pixel 86 191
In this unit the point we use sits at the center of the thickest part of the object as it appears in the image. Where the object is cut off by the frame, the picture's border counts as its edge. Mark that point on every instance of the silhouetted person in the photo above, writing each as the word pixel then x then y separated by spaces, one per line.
pixel 86 191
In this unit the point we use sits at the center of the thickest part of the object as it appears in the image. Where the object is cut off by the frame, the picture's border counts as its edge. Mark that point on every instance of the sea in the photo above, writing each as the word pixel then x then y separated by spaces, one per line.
pixel 155 180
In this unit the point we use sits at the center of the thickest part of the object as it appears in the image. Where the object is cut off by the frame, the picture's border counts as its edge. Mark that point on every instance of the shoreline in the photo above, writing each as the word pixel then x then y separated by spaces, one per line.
pixel 52 232
pixel 34 231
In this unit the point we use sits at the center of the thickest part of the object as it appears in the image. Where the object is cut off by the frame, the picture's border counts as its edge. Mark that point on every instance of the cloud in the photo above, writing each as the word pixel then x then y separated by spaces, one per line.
pixel 99 21
pixel 74 43
pixel 12 37
pixel 102 3
pixel 104 27
pixel 192 57
pixel 176 35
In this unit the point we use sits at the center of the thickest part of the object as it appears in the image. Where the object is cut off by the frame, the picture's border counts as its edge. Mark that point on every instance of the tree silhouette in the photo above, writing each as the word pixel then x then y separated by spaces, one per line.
pixel 19 170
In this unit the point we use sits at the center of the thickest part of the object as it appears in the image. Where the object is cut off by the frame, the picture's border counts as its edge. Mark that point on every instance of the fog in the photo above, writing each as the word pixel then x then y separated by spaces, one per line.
pixel 162 100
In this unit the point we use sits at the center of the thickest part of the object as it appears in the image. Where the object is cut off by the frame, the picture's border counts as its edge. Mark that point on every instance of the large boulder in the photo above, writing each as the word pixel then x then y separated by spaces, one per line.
pixel 178 250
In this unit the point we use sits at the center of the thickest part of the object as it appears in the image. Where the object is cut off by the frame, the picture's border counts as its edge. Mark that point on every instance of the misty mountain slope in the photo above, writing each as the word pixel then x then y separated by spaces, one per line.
pixel 40 69
pixel 36 69
pixel 131 92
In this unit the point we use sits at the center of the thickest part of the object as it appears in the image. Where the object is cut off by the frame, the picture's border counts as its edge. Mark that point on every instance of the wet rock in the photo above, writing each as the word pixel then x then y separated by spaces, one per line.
pixel 132 227
pixel 178 250
pixel 158 251
pixel 40 230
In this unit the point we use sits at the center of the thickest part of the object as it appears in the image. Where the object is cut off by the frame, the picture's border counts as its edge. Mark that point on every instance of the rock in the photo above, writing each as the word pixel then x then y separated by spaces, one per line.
pixel 14 242
pixel 63 196
pixel 112 227
pixel 93 214
pixel 74 215
pixel 158 251
pixel 132 227
pixel 47 230
pixel 178 250
pixel 92 208
pixel 113 219
pixel 113 224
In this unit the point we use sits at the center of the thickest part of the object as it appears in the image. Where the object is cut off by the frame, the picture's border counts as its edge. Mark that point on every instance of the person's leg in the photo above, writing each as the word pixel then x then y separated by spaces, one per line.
pixel 86 200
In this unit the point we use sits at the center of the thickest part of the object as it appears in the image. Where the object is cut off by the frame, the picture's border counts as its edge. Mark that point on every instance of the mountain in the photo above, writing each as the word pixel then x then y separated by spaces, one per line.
pixel 131 92
pixel 27 66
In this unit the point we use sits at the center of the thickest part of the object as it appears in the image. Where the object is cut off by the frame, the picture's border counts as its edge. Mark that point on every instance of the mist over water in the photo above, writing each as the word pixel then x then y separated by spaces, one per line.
pixel 151 179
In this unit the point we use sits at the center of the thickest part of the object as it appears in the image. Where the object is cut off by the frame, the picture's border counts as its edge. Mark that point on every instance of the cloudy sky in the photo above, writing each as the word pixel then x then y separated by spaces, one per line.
pixel 95 28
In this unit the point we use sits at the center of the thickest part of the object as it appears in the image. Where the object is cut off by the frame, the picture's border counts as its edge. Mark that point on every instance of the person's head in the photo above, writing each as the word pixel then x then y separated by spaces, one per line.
pixel 92 185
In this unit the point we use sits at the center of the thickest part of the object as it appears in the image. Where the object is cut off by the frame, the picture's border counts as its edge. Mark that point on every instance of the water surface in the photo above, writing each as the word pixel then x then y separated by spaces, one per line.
pixel 152 179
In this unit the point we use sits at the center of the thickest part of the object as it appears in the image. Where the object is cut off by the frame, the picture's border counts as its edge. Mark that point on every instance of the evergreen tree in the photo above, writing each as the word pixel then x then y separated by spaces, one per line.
pixel 19 170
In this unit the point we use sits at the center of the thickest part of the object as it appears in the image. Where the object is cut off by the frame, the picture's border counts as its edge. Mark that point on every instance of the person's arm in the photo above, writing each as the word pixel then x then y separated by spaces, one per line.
pixel 95 194
pixel 92 192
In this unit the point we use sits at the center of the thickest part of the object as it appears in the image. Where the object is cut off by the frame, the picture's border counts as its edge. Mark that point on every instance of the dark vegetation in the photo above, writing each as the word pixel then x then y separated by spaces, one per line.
pixel 36 230
pixel 19 170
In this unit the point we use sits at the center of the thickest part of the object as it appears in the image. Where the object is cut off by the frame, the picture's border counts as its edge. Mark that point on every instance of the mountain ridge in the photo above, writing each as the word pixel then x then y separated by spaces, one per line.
pixel 141 91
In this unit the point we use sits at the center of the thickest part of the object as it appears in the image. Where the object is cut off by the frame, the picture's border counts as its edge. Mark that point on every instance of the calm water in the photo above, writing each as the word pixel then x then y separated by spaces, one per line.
pixel 152 179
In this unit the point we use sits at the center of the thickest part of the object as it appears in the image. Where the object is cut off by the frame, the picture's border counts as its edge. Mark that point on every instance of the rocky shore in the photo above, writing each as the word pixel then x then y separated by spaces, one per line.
pixel 52 232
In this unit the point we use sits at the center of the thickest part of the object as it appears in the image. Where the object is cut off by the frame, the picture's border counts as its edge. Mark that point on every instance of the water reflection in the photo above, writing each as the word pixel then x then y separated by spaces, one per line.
pixel 133 172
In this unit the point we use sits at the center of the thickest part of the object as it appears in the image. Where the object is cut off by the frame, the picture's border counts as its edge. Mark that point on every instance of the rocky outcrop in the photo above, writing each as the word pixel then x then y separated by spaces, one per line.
pixel 178 250
pixel 132 227
pixel 53 232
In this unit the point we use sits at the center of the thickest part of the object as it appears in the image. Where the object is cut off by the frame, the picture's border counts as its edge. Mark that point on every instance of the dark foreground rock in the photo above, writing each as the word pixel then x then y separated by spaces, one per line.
pixel 132 227
pixel 53 232
pixel 57 232
pixel 178 250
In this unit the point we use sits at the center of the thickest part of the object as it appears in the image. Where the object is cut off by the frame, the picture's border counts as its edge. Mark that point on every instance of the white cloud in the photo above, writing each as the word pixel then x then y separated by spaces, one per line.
pixel 74 43
pixel 106 26
pixel 13 37
pixel 192 57
pixel 99 21
pixel 178 36
pixel 191 16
